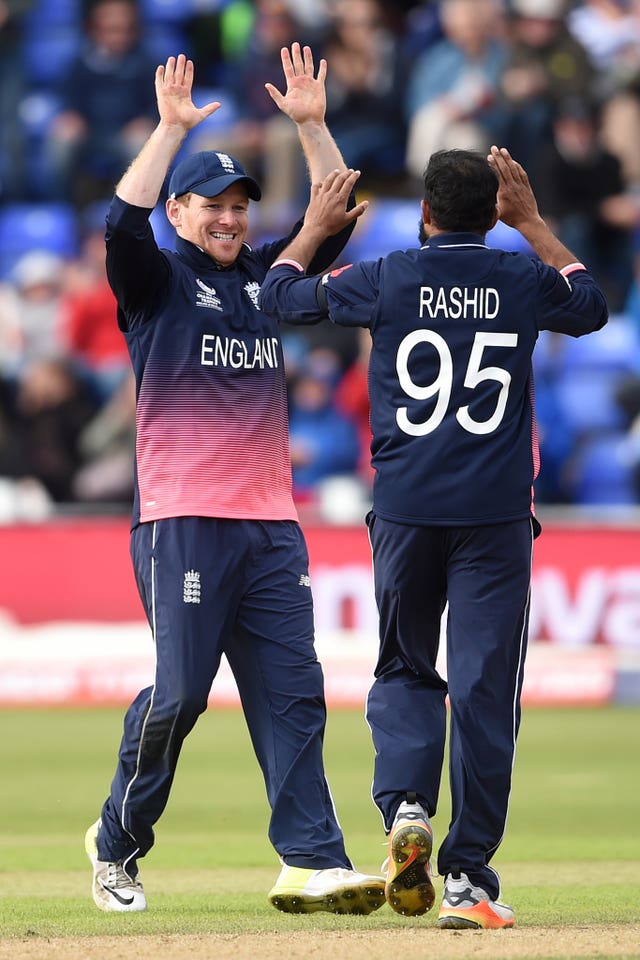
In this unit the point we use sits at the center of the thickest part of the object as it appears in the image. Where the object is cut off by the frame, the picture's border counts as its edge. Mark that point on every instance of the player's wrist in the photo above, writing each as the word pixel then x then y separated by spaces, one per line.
pixel 533 224
pixel 315 127
pixel 172 130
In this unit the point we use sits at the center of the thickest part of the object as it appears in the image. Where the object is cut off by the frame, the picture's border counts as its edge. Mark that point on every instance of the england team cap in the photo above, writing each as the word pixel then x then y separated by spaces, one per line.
pixel 208 174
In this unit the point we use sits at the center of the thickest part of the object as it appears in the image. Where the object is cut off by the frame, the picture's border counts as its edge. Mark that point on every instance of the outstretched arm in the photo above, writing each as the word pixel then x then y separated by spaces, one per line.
pixel 518 208
pixel 142 182
pixel 304 101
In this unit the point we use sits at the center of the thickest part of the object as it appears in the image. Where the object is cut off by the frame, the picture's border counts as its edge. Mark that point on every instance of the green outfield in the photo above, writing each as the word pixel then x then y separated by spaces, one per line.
pixel 570 859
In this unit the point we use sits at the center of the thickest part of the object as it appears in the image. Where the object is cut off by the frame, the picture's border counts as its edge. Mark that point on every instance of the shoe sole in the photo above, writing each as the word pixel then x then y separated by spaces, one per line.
pixel 473 918
pixel 91 848
pixel 354 900
pixel 91 844
pixel 410 891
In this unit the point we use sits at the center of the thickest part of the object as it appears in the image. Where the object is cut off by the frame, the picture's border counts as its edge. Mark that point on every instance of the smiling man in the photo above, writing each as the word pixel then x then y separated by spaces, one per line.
pixel 220 560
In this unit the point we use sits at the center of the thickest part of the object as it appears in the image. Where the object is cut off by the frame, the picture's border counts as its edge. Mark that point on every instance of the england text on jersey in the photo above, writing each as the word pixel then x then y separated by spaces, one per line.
pixel 232 352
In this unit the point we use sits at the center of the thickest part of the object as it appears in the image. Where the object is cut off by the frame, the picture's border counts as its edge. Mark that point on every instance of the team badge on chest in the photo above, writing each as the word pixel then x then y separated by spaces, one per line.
pixel 252 290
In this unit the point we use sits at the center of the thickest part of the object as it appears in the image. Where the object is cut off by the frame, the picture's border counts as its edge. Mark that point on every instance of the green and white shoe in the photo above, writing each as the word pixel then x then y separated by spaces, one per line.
pixel 113 889
pixel 334 890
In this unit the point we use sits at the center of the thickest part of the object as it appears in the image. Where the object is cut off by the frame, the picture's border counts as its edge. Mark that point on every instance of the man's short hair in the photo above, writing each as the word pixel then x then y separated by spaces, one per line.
pixel 461 189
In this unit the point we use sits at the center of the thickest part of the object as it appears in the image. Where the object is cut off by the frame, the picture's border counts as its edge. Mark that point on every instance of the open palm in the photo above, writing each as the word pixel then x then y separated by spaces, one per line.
pixel 174 83
pixel 305 98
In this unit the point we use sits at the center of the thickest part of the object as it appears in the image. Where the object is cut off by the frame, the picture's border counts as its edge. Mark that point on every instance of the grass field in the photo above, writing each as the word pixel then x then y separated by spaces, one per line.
pixel 570 863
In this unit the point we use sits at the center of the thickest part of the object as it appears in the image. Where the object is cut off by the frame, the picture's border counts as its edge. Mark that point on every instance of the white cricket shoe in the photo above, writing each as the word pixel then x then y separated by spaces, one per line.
pixel 113 889
pixel 334 890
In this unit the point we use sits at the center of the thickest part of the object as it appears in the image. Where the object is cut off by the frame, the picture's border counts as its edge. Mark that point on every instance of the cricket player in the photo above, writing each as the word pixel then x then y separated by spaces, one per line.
pixel 453 327
pixel 219 557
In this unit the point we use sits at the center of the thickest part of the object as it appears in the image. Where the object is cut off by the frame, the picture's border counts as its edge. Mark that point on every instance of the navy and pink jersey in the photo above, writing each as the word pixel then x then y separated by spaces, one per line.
pixel 453 327
pixel 211 415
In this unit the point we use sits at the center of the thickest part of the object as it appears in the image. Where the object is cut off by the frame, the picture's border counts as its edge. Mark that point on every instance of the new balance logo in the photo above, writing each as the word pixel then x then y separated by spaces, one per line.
pixel 191 587
pixel 305 580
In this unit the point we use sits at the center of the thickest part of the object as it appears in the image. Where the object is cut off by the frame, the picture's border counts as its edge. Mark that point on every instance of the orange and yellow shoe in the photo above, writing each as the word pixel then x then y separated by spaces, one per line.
pixel 465 907
pixel 409 889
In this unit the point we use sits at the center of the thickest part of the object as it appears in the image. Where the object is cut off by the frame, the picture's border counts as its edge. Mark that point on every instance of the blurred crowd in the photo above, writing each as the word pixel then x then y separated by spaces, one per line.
pixel 556 81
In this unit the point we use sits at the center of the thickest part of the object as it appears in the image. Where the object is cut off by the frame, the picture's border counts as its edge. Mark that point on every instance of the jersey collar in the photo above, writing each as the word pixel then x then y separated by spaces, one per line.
pixel 455 241
pixel 195 256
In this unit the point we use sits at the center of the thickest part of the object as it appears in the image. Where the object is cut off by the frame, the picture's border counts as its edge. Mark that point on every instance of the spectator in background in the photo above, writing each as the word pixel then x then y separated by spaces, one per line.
pixel 218 35
pixel 107 109
pixel 546 65
pixel 610 32
pixel 421 28
pixel 106 446
pixel 365 89
pixel 90 330
pixel 43 419
pixel 451 97
pixel 582 194
pixel 323 441
pixel 352 399
pixel 31 311
pixel 12 85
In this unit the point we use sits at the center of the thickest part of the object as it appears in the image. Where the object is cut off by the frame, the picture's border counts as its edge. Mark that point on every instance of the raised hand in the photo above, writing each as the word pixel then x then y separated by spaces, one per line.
pixel 516 201
pixel 518 208
pixel 327 212
pixel 305 99
pixel 174 83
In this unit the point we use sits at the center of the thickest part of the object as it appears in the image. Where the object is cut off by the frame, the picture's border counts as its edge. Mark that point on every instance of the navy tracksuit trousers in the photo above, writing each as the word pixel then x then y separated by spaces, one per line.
pixel 238 587
pixel 484 574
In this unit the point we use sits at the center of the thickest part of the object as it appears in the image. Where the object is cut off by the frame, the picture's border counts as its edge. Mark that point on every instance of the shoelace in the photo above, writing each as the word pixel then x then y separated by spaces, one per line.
pixel 117 878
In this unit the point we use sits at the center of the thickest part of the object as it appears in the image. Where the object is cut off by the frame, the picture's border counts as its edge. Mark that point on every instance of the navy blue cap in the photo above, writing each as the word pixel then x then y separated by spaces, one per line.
pixel 208 174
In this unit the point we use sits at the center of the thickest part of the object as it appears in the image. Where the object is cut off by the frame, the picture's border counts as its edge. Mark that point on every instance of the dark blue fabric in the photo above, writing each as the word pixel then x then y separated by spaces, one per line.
pixel 484 574
pixel 453 327
pixel 253 604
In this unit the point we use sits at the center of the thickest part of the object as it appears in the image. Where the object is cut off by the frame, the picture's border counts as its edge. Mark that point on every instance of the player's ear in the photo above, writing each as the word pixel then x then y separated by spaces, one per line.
pixel 173 210
pixel 426 212
pixel 495 218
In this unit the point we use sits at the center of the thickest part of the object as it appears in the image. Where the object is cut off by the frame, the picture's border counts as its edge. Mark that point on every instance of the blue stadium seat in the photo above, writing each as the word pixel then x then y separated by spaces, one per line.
pixel 603 473
pixel 586 401
pixel 228 113
pixel 164 40
pixel 46 12
pixel 162 230
pixel 387 225
pixel 164 11
pixel 503 237
pixel 585 374
pixel 614 349
pixel 36 111
pixel 47 52
pixel 30 226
